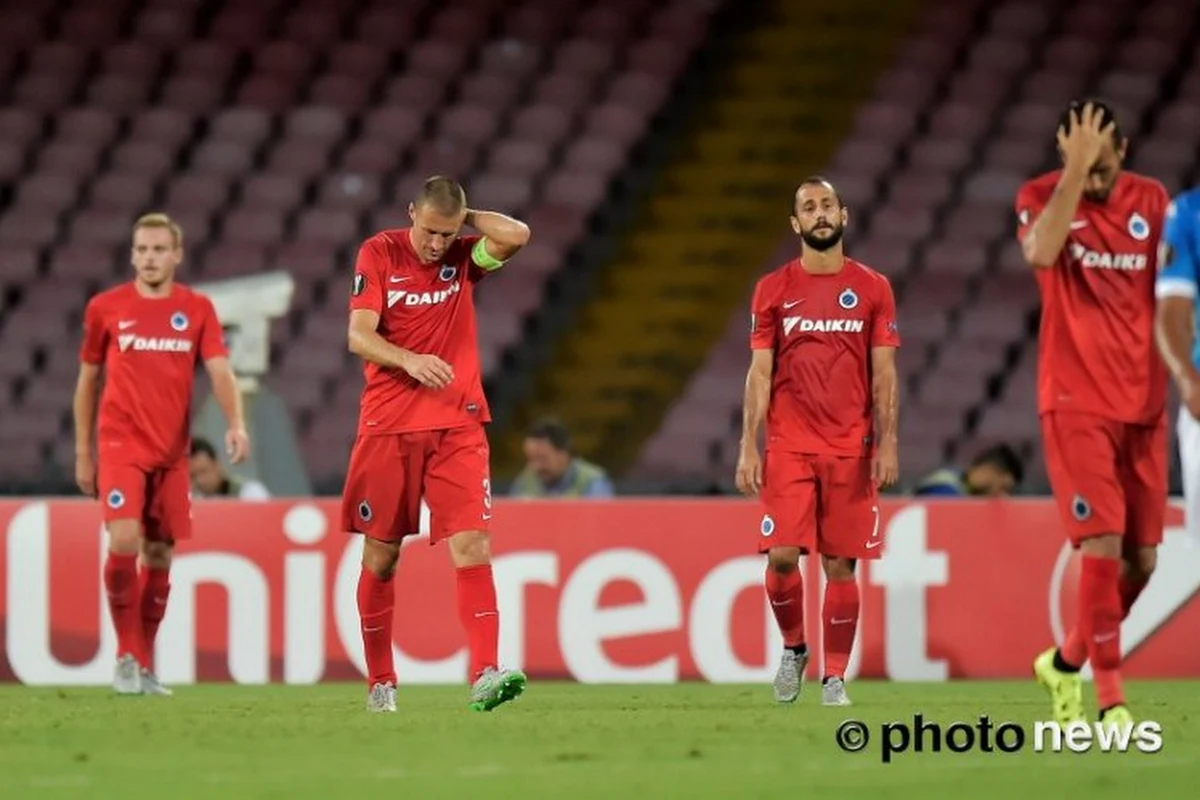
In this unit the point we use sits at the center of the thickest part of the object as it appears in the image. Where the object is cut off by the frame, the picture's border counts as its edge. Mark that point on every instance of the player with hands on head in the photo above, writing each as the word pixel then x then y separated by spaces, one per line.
pixel 823 378
pixel 421 424
pixel 146 337
pixel 1091 230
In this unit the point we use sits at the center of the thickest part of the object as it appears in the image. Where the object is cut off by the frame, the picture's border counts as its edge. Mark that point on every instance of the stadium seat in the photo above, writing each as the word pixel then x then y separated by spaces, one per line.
pixel 933 180
pixel 282 135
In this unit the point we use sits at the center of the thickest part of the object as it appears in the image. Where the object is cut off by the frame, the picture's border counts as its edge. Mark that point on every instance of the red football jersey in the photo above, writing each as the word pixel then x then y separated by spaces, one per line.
pixel 149 348
pixel 1096 351
pixel 822 329
pixel 427 309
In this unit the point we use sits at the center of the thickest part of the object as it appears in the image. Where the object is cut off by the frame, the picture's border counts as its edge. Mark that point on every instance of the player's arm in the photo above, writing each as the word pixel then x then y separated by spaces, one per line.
pixel 756 399
pixel 215 356
pixel 886 401
pixel 1047 234
pixel 87 394
pixel 367 343
pixel 1176 289
pixel 757 393
pixel 1044 239
pixel 229 398
pixel 503 236
pixel 366 305
pixel 885 394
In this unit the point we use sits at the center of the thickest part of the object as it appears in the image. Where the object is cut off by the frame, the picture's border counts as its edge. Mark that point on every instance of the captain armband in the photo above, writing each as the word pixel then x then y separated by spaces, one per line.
pixel 483 259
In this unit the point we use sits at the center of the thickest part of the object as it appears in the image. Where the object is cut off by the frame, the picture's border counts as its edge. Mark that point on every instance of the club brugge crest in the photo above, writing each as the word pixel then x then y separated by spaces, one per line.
pixel 115 499
pixel 768 525
pixel 179 321
pixel 1138 227
pixel 848 299
pixel 1080 508
pixel 364 511
pixel 448 272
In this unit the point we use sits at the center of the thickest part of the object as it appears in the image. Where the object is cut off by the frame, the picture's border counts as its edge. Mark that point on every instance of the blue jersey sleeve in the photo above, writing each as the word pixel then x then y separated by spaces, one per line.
pixel 1178 270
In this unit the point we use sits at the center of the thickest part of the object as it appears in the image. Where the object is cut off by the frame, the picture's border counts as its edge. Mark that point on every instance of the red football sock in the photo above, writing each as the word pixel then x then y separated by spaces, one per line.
pixel 376 602
pixel 785 590
pixel 480 619
pixel 121 584
pixel 1074 648
pixel 1100 625
pixel 156 587
pixel 1129 594
pixel 840 615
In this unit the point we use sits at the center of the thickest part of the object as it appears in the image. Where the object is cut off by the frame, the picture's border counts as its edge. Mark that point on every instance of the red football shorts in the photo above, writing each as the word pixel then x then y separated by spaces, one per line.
pixel 390 473
pixel 1108 477
pixel 823 504
pixel 160 498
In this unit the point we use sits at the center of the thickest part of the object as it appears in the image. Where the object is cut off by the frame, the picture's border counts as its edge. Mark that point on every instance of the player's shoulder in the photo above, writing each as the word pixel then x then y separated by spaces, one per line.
pixel 1186 203
pixel 106 298
pixel 1144 182
pixel 1040 186
pixel 867 276
pixel 1144 185
pixel 461 248
pixel 775 276
pixel 386 238
pixel 193 296
pixel 389 243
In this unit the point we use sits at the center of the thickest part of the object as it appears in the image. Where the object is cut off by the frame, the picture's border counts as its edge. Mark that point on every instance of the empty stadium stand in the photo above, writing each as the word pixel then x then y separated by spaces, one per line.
pixel 281 134
pixel 777 106
pixel 965 114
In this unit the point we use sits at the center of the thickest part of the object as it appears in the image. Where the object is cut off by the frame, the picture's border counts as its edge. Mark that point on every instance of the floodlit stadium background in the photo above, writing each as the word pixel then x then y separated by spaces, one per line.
pixel 652 146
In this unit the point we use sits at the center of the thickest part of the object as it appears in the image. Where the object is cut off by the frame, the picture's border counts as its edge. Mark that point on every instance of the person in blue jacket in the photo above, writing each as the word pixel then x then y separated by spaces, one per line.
pixel 996 472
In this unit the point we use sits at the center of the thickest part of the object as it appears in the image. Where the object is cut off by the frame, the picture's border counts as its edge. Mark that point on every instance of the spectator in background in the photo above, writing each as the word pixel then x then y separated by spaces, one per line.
pixel 996 472
pixel 551 470
pixel 210 480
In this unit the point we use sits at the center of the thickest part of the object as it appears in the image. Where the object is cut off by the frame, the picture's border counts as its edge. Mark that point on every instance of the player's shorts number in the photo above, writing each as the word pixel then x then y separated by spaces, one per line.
pixel 487 493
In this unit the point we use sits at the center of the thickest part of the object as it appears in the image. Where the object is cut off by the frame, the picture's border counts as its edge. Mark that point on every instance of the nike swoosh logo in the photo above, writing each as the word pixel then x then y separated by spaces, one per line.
pixel 873 545
pixel 487 516
pixel 395 279
pixel 126 323
pixel 1076 224
pixel 793 303
pixel 1107 637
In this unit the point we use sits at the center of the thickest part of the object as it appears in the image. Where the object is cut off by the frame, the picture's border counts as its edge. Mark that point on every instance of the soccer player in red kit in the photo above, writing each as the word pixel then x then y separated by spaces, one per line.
pixel 420 428
pixel 147 336
pixel 823 375
pixel 1091 232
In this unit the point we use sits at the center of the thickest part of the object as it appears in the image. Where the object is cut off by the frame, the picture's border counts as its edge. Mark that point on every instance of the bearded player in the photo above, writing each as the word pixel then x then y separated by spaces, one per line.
pixel 420 431
pixel 147 337
pixel 1091 232
pixel 823 376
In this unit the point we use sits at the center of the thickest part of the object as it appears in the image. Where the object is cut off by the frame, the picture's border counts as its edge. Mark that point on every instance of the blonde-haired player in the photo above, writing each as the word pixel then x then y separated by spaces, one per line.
pixel 147 336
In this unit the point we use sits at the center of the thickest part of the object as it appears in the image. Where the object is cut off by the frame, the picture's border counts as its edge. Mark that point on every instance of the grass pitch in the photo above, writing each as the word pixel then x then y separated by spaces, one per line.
pixel 561 741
